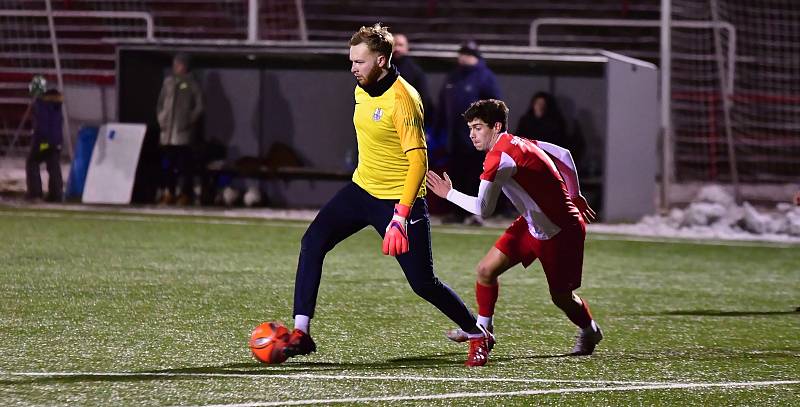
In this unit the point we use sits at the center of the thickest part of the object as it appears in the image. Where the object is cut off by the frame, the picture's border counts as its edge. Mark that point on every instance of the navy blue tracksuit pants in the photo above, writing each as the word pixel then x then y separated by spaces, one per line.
pixel 352 209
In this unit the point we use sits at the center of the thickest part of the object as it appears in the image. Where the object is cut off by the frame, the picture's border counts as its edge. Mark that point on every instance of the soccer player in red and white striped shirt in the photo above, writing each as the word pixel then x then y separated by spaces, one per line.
pixel 540 180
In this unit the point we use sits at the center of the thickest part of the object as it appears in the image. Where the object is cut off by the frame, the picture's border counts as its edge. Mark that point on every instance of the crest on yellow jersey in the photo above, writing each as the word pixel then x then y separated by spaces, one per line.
pixel 376 116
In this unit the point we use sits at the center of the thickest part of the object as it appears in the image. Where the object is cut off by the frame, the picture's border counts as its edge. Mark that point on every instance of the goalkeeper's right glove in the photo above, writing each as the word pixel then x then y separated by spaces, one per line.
pixel 395 241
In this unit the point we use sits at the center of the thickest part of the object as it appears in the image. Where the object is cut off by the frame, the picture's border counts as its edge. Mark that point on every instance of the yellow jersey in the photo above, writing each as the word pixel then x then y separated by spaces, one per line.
pixel 388 122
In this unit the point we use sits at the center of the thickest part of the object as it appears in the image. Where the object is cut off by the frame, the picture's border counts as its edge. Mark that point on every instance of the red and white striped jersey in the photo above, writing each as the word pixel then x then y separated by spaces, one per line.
pixel 530 174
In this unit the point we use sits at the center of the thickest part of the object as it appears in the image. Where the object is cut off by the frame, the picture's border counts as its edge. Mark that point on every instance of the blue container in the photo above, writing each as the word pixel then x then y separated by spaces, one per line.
pixel 87 136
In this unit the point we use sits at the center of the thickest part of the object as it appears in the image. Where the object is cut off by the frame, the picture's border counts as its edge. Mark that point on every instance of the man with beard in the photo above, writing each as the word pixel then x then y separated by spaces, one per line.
pixel 387 188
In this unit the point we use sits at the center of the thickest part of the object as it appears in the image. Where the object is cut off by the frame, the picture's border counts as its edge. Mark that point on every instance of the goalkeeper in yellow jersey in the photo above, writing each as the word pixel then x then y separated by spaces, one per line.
pixel 387 192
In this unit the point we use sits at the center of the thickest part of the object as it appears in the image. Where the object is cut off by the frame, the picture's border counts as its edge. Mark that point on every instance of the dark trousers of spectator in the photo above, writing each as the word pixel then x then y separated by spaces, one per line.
pixel 51 156
pixel 177 166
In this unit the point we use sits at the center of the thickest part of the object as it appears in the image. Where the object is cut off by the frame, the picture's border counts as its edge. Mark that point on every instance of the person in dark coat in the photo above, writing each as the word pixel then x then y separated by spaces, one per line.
pixel 48 122
pixel 412 73
pixel 543 121
pixel 471 81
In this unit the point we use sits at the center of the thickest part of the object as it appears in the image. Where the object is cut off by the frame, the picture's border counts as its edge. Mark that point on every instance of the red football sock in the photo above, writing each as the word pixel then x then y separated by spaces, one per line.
pixel 580 314
pixel 487 297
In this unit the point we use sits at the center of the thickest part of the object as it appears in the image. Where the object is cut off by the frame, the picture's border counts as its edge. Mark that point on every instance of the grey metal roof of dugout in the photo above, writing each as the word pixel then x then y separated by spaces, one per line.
pixel 489 52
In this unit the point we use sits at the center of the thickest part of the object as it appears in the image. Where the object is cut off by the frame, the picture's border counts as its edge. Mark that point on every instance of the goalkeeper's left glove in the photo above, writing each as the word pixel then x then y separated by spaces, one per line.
pixel 395 241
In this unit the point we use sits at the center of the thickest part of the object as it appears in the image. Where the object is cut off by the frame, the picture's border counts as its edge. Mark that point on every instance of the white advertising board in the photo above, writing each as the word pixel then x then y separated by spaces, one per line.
pixel 113 166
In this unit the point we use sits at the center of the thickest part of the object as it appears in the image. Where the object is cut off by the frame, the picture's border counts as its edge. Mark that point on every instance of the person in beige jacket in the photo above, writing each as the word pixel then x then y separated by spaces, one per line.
pixel 180 106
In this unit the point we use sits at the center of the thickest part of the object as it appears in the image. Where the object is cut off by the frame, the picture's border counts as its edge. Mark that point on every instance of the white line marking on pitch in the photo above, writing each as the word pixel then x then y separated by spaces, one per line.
pixel 666 386
pixel 257 375
pixel 619 385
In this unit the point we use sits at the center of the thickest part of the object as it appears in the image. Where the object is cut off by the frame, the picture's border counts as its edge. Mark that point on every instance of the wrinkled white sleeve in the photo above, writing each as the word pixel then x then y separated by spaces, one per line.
pixel 565 164
pixel 484 204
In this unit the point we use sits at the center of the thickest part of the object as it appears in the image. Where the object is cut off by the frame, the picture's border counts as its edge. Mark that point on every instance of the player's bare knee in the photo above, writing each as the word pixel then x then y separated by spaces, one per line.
pixel 486 274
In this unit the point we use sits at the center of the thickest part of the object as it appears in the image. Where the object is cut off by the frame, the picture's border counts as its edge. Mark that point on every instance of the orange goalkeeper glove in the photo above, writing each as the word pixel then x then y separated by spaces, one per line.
pixel 395 241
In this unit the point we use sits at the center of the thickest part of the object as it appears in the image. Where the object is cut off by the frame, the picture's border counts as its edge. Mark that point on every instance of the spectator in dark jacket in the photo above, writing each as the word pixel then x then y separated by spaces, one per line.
pixel 471 81
pixel 413 74
pixel 543 121
pixel 48 122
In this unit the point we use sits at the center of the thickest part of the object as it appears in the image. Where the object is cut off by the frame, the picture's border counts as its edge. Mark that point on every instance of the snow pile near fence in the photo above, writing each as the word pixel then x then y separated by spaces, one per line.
pixel 714 215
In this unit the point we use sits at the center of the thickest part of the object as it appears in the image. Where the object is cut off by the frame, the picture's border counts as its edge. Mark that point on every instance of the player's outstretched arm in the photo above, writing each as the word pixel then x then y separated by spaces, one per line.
pixel 438 185
pixel 482 205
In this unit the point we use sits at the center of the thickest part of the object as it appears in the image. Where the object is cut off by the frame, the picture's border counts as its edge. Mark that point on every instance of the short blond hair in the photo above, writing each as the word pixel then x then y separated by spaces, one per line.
pixel 377 37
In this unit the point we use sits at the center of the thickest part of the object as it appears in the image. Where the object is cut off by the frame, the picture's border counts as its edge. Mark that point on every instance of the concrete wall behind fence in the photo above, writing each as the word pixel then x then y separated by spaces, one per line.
pixel 307 103
pixel 311 111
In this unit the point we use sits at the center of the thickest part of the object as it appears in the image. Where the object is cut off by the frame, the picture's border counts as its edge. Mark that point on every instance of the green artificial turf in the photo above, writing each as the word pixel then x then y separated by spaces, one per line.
pixel 122 309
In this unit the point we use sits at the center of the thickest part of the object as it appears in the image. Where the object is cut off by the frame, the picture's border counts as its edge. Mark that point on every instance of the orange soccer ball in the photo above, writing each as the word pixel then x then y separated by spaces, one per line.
pixel 267 342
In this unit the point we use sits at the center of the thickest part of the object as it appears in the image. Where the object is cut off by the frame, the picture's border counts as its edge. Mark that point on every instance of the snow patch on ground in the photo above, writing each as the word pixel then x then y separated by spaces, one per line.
pixel 713 214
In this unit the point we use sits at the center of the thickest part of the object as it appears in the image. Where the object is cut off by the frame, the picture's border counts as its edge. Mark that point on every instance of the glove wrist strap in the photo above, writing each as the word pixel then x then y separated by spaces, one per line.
pixel 401 210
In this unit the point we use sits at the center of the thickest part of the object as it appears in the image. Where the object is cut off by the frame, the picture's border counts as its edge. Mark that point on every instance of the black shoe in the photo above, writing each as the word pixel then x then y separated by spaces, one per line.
pixel 585 342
